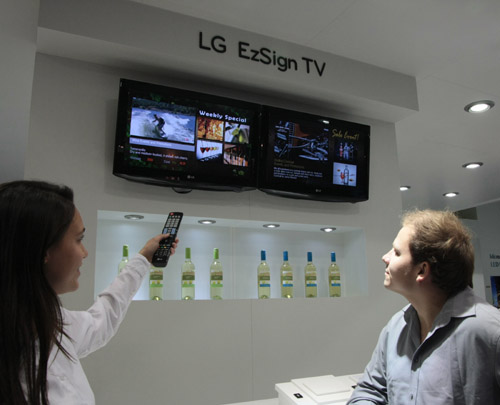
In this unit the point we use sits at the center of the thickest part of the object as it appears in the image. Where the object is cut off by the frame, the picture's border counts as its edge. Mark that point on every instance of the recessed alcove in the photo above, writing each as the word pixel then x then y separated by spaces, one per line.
pixel 239 243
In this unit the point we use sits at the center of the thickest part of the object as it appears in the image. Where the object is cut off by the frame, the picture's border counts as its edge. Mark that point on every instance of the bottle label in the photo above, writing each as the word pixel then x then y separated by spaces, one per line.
pixel 335 284
pixel 156 275
pixel 187 277
pixel 264 281
pixel 311 281
pixel 287 281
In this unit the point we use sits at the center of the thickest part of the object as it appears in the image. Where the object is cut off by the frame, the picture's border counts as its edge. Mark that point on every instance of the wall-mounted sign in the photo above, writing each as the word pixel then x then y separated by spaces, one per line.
pixel 263 55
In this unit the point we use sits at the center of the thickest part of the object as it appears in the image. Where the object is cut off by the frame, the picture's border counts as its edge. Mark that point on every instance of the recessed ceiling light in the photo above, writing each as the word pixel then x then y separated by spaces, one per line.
pixel 328 229
pixel 206 221
pixel 134 217
pixel 451 194
pixel 404 188
pixel 479 106
pixel 271 225
pixel 472 165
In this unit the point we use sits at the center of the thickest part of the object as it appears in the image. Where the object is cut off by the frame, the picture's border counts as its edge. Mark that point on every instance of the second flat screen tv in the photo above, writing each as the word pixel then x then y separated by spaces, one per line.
pixel 313 157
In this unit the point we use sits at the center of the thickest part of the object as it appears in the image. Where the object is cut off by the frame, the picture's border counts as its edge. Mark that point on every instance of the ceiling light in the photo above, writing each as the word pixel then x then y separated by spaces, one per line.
pixel 134 217
pixel 451 194
pixel 472 165
pixel 479 106
pixel 206 221
pixel 328 229
pixel 271 225
pixel 404 188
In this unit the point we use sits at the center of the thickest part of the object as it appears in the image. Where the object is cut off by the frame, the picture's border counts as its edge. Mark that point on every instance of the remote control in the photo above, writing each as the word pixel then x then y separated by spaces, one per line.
pixel 161 256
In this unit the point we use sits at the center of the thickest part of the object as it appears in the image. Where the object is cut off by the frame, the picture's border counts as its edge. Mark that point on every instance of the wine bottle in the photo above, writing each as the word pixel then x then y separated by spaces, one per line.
pixel 334 287
pixel 216 277
pixel 156 283
pixel 124 260
pixel 311 278
pixel 188 277
pixel 263 277
pixel 286 276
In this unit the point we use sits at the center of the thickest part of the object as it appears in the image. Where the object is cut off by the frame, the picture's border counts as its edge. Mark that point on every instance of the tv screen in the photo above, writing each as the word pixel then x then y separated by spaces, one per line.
pixel 313 157
pixel 185 139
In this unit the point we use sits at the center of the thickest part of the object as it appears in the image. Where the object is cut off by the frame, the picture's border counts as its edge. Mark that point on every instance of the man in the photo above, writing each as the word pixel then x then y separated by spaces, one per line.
pixel 444 347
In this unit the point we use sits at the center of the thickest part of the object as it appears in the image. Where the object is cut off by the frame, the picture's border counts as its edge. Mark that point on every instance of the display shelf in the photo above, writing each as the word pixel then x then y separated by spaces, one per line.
pixel 239 243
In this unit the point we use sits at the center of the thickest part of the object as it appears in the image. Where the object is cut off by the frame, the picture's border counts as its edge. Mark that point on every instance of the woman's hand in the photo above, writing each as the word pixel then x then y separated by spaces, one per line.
pixel 152 245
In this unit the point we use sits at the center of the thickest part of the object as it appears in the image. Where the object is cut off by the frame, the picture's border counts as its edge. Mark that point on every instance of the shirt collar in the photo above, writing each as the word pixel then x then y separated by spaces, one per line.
pixel 461 305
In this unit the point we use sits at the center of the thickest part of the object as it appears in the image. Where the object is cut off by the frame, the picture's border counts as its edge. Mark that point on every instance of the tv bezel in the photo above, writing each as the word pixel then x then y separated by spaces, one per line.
pixel 331 193
pixel 183 181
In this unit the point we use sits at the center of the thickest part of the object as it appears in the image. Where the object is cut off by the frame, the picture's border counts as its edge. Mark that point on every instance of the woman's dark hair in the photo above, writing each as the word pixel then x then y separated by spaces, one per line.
pixel 440 238
pixel 34 216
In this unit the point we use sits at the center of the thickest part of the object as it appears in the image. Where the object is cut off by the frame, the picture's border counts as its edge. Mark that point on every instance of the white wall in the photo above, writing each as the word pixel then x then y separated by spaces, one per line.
pixel 206 352
pixel 17 47
pixel 488 249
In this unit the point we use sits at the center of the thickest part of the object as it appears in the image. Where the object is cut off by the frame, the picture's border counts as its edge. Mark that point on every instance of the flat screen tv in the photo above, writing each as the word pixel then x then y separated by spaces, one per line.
pixel 184 139
pixel 313 157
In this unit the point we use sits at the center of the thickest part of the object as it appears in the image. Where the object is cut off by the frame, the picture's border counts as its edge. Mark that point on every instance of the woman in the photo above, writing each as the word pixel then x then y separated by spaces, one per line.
pixel 41 251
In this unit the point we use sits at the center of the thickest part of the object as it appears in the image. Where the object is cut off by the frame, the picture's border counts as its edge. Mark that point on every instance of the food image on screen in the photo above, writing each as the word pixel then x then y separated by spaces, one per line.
pixel 208 151
pixel 236 155
pixel 209 128
pixel 151 122
pixel 236 133
pixel 344 174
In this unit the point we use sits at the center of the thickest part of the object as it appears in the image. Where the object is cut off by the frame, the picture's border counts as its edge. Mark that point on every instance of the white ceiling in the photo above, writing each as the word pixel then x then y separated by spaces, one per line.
pixel 452 47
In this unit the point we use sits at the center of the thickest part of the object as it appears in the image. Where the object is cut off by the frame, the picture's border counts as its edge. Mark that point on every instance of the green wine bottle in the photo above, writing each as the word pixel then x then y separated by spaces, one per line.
pixel 156 283
pixel 263 277
pixel 216 277
pixel 311 278
pixel 334 287
pixel 188 277
pixel 124 260
pixel 286 277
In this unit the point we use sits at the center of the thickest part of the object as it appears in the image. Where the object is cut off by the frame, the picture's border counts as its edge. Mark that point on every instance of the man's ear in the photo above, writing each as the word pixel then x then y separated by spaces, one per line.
pixel 424 272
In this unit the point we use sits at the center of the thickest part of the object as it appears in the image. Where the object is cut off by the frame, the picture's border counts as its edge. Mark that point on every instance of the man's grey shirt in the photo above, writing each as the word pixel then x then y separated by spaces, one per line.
pixel 458 362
